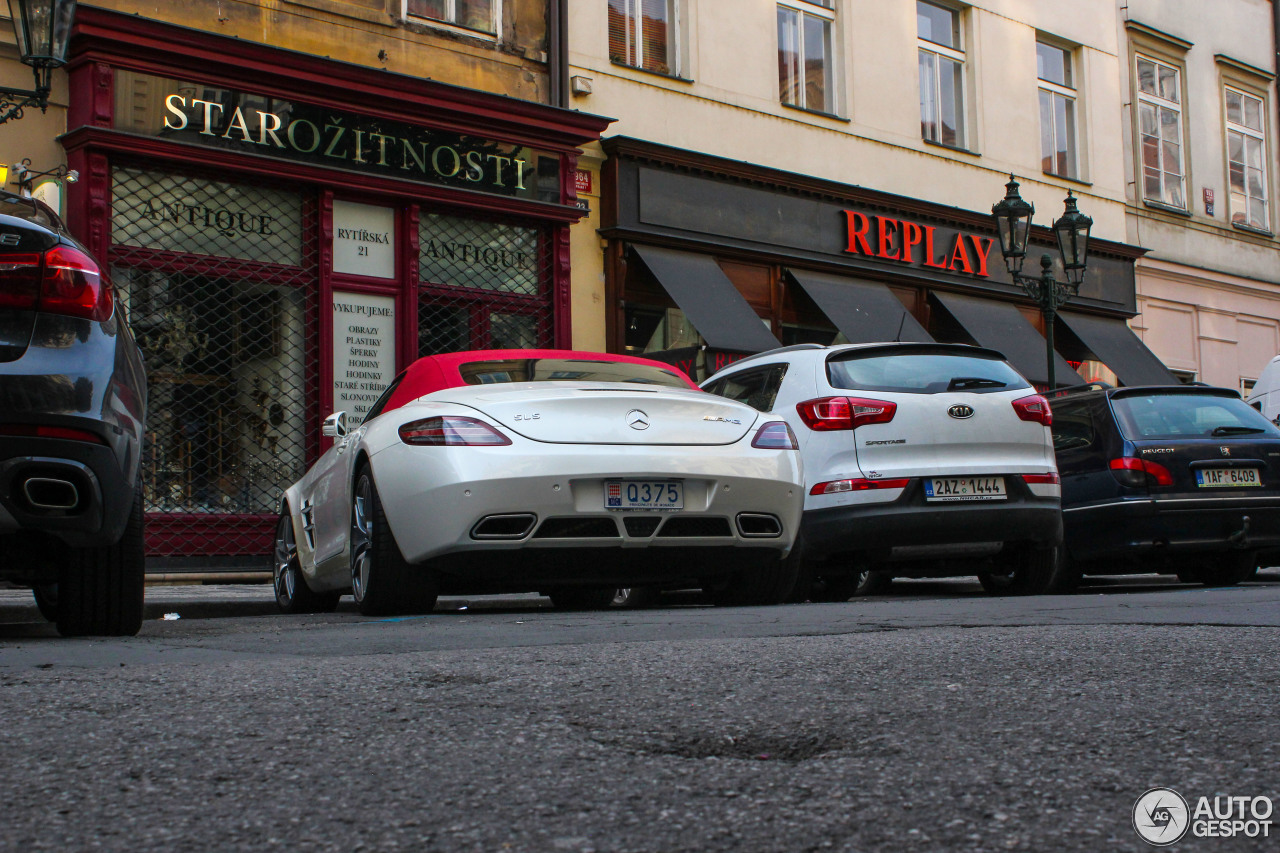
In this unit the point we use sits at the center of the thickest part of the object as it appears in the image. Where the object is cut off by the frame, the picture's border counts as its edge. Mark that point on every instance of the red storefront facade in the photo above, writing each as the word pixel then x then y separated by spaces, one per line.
pixel 288 232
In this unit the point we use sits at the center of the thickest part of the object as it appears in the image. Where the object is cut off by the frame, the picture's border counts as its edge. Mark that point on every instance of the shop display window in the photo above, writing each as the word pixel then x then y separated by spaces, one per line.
pixel 218 283
pixel 483 285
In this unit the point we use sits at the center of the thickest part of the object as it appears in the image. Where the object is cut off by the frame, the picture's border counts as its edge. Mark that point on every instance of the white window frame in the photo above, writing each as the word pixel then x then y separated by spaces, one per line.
pixel 451 7
pixel 1072 96
pixel 824 9
pixel 1157 103
pixel 923 45
pixel 1261 137
pixel 635 36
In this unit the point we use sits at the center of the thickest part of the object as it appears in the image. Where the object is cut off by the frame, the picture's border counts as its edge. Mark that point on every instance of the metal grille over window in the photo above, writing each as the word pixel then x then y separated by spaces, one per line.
pixel 484 285
pixel 217 280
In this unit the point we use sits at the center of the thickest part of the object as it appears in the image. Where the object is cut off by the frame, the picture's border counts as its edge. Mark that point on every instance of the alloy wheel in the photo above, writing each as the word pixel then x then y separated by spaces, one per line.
pixel 361 538
pixel 286 555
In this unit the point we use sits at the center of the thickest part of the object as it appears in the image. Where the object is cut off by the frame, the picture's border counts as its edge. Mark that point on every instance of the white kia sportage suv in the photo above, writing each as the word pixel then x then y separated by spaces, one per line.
pixel 921 460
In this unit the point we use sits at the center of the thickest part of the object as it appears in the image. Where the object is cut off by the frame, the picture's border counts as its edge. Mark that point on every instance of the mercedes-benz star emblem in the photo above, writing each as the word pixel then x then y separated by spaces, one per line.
pixel 961 412
pixel 637 419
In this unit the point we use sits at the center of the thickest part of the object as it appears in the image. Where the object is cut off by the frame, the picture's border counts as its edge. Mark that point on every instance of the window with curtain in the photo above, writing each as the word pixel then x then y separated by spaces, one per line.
pixel 1160 132
pixel 472 14
pixel 804 54
pixel 941 57
pixel 1057 110
pixel 1246 159
pixel 642 34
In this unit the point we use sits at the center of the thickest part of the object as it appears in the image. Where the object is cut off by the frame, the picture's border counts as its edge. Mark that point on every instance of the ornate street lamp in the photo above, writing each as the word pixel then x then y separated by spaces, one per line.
pixel 42 29
pixel 1013 225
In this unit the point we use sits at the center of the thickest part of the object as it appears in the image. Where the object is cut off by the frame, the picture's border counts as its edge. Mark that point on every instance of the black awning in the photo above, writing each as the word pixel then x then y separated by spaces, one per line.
pixel 1116 346
pixel 864 311
pixel 709 299
pixel 1001 326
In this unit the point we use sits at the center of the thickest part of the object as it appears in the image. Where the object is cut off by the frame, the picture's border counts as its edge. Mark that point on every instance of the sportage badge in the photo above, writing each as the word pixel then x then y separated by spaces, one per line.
pixel 960 412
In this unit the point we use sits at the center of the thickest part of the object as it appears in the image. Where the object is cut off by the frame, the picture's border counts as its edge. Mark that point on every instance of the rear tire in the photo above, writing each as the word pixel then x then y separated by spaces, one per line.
pixel 292 593
pixel 765 580
pixel 873 583
pixel 636 596
pixel 582 598
pixel 1026 570
pixel 1066 576
pixel 100 590
pixel 46 596
pixel 382 581
pixel 1230 569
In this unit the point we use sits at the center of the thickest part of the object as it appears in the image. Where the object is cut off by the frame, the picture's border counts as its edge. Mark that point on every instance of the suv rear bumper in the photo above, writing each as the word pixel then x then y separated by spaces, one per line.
pixel 910 521
pixel 101 489
pixel 1147 527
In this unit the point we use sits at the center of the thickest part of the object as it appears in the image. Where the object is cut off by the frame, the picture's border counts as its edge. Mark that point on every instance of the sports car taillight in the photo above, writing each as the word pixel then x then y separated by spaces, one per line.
pixel 857 484
pixel 1034 408
pixel 775 435
pixel 1137 473
pixel 451 431
pixel 64 280
pixel 836 413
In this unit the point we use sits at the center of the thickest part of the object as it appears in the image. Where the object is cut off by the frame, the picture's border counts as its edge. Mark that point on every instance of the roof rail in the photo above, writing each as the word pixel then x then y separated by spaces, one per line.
pixel 1073 389
pixel 791 348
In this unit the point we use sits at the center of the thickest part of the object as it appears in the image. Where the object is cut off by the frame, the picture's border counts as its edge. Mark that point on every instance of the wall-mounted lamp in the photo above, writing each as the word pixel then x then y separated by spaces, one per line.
pixel 26 177
pixel 42 29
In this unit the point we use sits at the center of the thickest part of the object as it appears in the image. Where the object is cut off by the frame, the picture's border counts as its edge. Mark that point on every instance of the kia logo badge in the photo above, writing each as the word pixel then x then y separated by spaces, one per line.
pixel 637 419
pixel 960 412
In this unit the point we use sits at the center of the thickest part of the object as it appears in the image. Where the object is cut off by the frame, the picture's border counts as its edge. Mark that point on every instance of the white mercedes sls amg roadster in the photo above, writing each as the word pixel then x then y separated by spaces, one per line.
pixel 565 473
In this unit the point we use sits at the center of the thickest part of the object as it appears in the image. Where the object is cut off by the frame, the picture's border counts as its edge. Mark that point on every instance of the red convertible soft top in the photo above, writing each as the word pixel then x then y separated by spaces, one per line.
pixel 436 372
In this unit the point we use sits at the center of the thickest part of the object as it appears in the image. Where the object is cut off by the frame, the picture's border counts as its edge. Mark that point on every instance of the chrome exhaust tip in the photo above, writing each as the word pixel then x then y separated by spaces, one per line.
pixel 759 525
pixel 50 493
pixel 514 525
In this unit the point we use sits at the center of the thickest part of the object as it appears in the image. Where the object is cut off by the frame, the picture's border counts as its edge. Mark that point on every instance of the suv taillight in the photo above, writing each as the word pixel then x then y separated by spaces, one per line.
pixel 1034 408
pixel 451 431
pixel 1138 473
pixel 73 285
pixel 64 280
pixel 19 281
pixel 836 413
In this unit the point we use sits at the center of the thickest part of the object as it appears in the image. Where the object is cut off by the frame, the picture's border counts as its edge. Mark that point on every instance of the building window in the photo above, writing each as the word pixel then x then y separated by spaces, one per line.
pixel 941 74
pixel 642 34
pixel 1246 159
pixel 1057 110
pixel 1160 132
pixel 472 14
pixel 804 54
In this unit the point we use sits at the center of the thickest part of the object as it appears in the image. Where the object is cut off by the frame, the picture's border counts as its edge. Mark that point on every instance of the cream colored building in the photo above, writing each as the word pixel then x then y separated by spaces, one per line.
pixel 702 88
pixel 1201 189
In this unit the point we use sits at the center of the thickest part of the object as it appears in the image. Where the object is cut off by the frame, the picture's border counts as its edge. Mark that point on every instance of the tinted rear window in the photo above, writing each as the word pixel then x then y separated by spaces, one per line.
pixel 1170 416
pixel 568 370
pixel 923 373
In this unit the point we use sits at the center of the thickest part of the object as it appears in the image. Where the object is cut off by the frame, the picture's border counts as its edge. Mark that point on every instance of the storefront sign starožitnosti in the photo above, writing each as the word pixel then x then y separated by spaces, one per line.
pixel 256 124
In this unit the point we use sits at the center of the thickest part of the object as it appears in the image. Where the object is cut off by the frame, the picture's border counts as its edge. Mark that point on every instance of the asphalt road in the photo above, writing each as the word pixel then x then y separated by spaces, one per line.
pixel 932 719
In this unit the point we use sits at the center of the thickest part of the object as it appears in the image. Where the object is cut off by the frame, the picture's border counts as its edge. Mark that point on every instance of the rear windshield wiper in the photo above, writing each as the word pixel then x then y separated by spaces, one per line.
pixel 960 383
pixel 1236 430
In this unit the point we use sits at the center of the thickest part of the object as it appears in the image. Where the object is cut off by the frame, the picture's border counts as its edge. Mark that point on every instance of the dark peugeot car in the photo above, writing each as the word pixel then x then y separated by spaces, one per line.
pixel 72 409
pixel 1180 479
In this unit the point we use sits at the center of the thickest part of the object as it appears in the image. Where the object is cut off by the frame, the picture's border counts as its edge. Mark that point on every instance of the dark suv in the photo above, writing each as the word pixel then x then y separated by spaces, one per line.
pixel 1178 479
pixel 72 411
